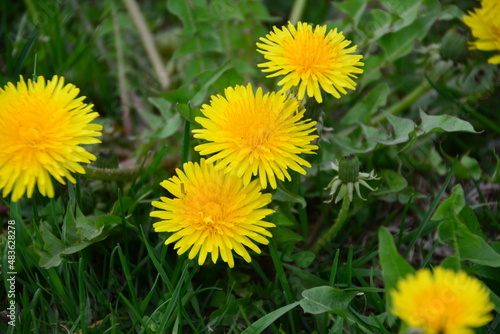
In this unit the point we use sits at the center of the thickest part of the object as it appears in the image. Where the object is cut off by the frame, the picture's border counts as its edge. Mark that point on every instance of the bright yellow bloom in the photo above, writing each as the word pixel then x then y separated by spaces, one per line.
pixel 42 125
pixel 444 302
pixel 309 59
pixel 212 212
pixel 255 134
pixel 485 26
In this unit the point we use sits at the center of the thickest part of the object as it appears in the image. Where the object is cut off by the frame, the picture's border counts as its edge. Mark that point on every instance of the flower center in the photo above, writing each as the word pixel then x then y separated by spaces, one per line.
pixel 212 218
pixel 309 52
pixel 257 136
pixel 32 135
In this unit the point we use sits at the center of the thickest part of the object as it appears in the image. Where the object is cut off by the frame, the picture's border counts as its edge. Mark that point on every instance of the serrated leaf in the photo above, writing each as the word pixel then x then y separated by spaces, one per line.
pixel 353 8
pixel 407 10
pixel 50 253
pixel 467 245
pixel 451 206
pixel 353 145
pixel 443 123
pixel 362 111
pixel 85 228
pixel 402 128
pixel 380 23
pixel 400 43
pixel 323 299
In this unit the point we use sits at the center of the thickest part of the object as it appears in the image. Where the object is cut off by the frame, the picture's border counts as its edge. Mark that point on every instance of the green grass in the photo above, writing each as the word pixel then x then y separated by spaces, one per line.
pixel 436 204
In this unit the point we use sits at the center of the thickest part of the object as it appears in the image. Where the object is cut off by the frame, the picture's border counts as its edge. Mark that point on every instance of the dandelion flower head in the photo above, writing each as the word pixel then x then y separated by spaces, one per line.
pixel 444 301
pixel 310 59
pixel 42 125
pixel 256 134
pixel 213 212
pixel 485 27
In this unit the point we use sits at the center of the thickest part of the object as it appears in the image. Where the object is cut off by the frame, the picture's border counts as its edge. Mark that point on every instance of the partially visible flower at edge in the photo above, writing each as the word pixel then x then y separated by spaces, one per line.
pixel 310 60
pixel 256 134
pixel 443 301
pixel 42 124
pixel 348 179
pixel 484 23
pixel 212 212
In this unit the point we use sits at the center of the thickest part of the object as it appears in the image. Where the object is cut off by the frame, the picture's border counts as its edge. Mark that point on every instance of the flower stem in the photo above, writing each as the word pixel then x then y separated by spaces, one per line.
pixel 406 102
pixel 336 228
pixel 186 140
pixel 297 11
pixel 148 42
pixel 395 109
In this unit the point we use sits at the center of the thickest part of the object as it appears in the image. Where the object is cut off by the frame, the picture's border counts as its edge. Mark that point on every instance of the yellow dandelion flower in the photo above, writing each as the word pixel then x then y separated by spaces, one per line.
pixel 485 27
pixel 212 212
pixel 309 59
pixel 42 125
pixel 444 302
pixel 255 134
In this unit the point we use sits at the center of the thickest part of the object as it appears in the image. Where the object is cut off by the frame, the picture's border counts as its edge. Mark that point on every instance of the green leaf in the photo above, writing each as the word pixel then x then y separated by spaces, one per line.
pixel 394 182
pixel 206 80
pixel 467 245
pixel 402 128
pixel 169 127
pixel 469 219
pixel 443 123
pixel 394 266
pixel 467 168
pixel 187 11
pixel 284 195
pixel 362 111
pixel 380 23
pixel 200 44
pixel 400 43
pixel 452 262
pixel 284 235
pixel 304 259
pixel 323 299
pixel 264 322
pixel 451 206
pixel 87 230
pixel 353 8
pixel 407 10
pixel 50 254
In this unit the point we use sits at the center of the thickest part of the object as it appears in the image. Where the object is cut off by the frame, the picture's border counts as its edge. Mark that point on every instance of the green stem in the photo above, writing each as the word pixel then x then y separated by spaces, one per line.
pixel 148 42
pixel 406 102
pixel 186 141
pixel 297 11
pixel 395 109
pixel 109 174
pixel 336 228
